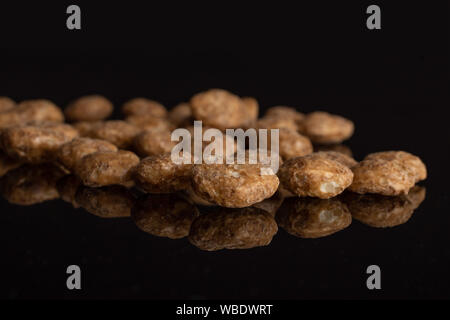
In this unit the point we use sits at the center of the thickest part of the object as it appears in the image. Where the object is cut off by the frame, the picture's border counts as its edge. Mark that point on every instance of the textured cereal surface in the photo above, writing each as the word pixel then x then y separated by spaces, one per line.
pixel 341 148
pixel 144 122
pixel 159 174
pixel 36 143
pixel 292 144
pixel 286 112
pixel 164 215
pixel 323 127
pixel 314 176
pixel 70 153
pixel 313 218
pixel 106 202
pixel 233 229
pixel 251 107
pixel 234 185
pixel 84 127
pixel 31 184
pixel 118 132
pixel 270 122
pixel 144 107
pixel 181 115
pixel 384 211
pixel 218 108
pixel 107 168
pixel 339 157
pixel 387 173
pixel 89 108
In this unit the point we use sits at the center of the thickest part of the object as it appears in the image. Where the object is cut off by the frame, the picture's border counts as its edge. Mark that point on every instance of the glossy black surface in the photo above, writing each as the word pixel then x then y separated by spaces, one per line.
pixel 393 84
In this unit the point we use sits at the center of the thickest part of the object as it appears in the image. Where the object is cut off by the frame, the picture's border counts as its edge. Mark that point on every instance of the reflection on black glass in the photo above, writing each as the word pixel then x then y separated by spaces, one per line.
pixel 384 211
pixel 176 216
pixel 164 215
pixel 313 218
pixel 225 228
pixel 31 184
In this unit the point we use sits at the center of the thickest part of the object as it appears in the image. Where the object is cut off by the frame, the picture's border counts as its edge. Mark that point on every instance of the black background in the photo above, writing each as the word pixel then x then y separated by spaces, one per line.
pixel 393 83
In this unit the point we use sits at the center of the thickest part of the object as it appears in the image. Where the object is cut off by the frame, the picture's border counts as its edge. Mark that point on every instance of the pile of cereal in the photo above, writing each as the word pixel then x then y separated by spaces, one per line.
pixel 116 168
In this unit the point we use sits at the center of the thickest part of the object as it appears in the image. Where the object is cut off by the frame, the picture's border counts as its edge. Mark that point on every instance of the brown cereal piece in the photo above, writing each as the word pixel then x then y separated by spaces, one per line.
pixel 181 115
pixel 149 122
pixel 106 202
pixel 36 143
pixel 292 144
pixel 67 187
pixel 313 218
pixel 218 108
pixel 252 109
pixel 89 108
pixel 84 128
pixel 195 198
pixel 159 174
pixel 339 157
pixel 412 162
pixel 118 132
pixel 31 184
pixel 7 164
pixel 285 112
pixel 384 211
pixel 107 168
pixel 6 104
pixel 144 107
pixel 272 204
pixel 234 185
pixel 226 138
pixel 72 152
pixel 164 215
pixel 314 176
pixel 322 127
pixel 153 142
pixel 276 123
pixel 341 148
pixel 31 111
pixel 243 228
pixel 389 177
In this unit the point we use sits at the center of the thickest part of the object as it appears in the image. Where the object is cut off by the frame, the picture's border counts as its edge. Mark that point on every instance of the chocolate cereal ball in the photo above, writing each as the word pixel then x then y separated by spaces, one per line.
pixel 89 108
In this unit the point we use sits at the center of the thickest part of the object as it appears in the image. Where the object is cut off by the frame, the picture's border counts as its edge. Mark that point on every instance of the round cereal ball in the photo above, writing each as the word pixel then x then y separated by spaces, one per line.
pixel 144 107
pixel 106 202
pixel 153 142
pixel 118 132
pixel 31 184
pixel 107 168
pixel 233 229
pixel 31 112
pixel 71 152
pixel 384 211
pixel 412 162
pixel 67 188
pixel 164 215
pixel 7 163
pixel 36 143
pixel 388 174
pixel 314 176
pixel 144 122
pixel 181 115
pixel 292 144
pixel 325 128
pixel 339 157
pixel 234 185
pixel 218 108
pixel 89 108
pixel 159 174
pixel 313 218
pixel 6 104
